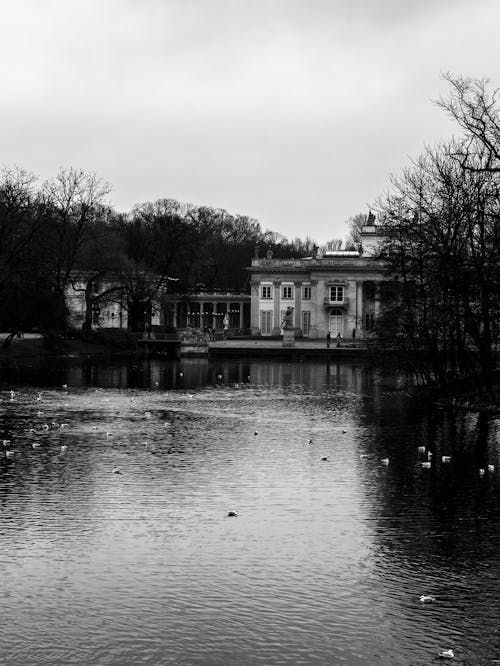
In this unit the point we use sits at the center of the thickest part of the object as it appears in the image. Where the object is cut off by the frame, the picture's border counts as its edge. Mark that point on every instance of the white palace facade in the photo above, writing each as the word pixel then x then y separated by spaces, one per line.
pixel 335 292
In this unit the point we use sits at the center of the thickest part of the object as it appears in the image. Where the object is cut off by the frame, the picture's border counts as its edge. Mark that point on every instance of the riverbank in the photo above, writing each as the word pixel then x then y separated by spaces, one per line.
pixel 35 345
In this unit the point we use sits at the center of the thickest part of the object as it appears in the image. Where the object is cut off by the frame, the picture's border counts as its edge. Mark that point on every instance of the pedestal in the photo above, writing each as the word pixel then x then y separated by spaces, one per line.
pixel 288 337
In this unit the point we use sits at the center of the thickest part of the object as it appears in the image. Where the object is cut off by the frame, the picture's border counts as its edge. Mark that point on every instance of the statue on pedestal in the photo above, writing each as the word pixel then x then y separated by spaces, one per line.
pixel 288 328
pixel 287 322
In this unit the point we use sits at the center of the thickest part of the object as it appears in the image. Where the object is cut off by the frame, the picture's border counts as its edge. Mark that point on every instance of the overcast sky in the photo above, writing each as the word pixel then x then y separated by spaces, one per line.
pixel 294 112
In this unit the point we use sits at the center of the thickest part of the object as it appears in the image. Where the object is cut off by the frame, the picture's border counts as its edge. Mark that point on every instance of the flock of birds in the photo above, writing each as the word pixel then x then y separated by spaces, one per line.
pixel 10 452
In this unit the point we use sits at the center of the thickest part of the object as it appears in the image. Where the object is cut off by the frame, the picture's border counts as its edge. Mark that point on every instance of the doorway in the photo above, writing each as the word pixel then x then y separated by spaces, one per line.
pixel 336 323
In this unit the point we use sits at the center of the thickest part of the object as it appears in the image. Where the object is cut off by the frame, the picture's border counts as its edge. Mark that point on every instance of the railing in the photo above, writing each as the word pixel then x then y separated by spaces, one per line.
pixel 336 304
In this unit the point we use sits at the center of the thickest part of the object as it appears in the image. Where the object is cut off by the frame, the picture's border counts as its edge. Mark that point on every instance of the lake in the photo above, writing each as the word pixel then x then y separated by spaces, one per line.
pixel 116 546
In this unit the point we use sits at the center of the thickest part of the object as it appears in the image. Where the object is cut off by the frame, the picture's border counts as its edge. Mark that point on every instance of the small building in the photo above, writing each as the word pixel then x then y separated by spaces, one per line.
pixel 217 310
pixel 335 292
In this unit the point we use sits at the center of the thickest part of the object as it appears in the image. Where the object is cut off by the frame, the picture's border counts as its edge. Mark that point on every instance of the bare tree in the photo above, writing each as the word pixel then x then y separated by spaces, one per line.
pixel 74 202
pixel 473 105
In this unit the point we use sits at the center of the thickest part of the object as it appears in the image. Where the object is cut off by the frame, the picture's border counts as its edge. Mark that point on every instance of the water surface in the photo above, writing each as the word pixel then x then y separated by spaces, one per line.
pixel 118 549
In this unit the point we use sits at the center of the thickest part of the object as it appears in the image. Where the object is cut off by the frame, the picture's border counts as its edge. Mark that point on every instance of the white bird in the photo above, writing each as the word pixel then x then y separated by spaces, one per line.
pixel 421 449
pixel 363 456
pixel 147 415
pixel 429 455
pixel 491 468
pixel 426 598
pixel 39 413
pixel 35 445
pixel 309 441
pixel 63 425
pixel 64 448
pixel 384 461
pixel 9 454
pixel 6 442
pixel 482 472
pixel 64 386
pixel 426 464
pixel 446 459
pixel 446 654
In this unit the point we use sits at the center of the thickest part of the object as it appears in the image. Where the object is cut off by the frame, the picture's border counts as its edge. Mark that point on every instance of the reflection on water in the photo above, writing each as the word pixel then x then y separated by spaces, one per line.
pixel 118 550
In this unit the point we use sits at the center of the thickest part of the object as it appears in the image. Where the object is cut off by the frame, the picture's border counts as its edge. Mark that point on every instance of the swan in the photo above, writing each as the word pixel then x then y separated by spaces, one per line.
pixel 446 654
pixel 421 449
pixel 446 459
pixel 384 461
pixel 426 598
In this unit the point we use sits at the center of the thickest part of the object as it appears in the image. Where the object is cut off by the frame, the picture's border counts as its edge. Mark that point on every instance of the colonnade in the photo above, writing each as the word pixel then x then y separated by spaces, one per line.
pixel 200 312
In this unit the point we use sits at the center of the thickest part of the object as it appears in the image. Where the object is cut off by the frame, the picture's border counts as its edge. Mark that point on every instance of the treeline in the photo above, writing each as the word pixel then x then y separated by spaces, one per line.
pixel 63 232
pixel 442 218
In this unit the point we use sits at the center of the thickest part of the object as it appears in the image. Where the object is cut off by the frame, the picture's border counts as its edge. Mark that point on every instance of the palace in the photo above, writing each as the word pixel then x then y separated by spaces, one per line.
pixel 335 292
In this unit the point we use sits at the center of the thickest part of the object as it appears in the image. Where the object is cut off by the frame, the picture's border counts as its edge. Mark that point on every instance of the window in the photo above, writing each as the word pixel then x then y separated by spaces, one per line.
pixel 306 294
pixel 306 323
pixel 266 322
pixel 369 321
pixel 336 294
pixel 287 291
pixel 265 291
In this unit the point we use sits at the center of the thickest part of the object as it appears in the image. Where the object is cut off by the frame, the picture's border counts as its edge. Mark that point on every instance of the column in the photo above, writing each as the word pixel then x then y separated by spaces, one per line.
pixel 359 309
pixel 241 316
pixel 214 310
pixel 254 309
pixel 298 301
pixel 316 310
pixel 276 315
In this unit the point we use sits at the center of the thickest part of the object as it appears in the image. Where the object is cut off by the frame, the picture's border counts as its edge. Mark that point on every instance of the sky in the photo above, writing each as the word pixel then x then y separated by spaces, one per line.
pixel 293 112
